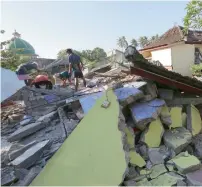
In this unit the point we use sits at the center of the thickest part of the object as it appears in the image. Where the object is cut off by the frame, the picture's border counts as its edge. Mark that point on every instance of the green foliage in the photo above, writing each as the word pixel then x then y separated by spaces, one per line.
pixel 134 42
pixel 62 54
pixel 193 18
pixel 122 42
pixel 197 70
pixel 143 41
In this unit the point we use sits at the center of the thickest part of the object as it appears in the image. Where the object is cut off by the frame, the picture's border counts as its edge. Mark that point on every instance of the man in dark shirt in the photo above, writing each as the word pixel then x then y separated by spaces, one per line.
pixel 75 67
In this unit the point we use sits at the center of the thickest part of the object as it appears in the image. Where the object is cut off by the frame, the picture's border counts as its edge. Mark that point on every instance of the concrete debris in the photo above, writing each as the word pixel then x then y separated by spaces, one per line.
pixel 157 170
pixel 143 113
pixel 194 178
pixel 25 131
pixel 197 142
pixel 18 152
pixel 186 163
pixel 177 139
pixel 167 179
pixel 176 117
pixel 156 123
pixel 29 157
pixel 194 123
pixel 166 94
pixel 8 176
pixel 153 134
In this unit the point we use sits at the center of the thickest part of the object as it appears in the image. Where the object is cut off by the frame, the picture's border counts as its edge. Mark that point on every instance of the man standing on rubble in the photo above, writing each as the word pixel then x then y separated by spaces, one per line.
pixel 75 66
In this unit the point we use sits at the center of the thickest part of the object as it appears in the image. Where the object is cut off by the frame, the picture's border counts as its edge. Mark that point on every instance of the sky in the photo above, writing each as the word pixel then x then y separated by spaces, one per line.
pixel 50 26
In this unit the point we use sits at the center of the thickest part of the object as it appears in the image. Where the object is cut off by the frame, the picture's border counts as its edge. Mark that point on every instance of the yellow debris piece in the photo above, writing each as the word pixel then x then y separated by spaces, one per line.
pixel 130 138
pixel 195 121
pixel 184 119
pixel 165 111
pixel 152 136
pixel 176 117
pixel 136 159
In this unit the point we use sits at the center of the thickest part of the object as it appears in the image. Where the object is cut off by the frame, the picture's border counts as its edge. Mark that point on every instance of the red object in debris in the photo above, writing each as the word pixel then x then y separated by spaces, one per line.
pixel 8 103
pixel 135 129
pixel 40 78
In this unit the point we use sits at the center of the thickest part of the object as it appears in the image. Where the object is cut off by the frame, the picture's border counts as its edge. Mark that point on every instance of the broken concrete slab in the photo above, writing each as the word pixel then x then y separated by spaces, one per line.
pixel 29 157
pixel 26 131
pixel 137 85
pixel 48 117
pixel 130 137
pixel 157 170
pixel 176 117
pixel 166 94
pixel 128 95
pixel 131 172
pixel 151 89
pixel 153 134
pixel 186 163
pixel 14 154
pixel 143 113
pixel 8 176
pixel 197 142
pixel 194 123
pixel 181 183
pixel 194 178
pixel 30 176
pixel 166 116
pixel 177 139
pixel 167 179
pixel 157 155
pixel 136 159
pixel 130 182
pixel 144 182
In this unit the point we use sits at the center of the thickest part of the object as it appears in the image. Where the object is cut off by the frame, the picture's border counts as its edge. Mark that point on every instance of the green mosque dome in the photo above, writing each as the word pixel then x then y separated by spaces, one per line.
pixel 21 46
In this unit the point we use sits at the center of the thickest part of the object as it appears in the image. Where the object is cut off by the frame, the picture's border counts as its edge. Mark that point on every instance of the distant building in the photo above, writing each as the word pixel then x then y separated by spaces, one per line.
pixel 176 51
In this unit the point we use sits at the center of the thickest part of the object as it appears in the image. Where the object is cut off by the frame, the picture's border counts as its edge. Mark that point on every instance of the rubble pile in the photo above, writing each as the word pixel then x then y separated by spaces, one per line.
pixel 161 131
pixel 162 139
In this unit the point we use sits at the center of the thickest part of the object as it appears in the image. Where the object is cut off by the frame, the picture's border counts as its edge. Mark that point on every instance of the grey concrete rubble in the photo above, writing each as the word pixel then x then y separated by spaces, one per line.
pixel 159 147
pixel 177 139
pixel 194 178
pixel 29 157
pixel 18 152
pixel 26 131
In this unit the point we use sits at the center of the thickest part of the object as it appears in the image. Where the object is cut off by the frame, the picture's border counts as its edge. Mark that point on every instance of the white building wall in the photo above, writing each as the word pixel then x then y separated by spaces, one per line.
pixel 183 58
pixel 163 55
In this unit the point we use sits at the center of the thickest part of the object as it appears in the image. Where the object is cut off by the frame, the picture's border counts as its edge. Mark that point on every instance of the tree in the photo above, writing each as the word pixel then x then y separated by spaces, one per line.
pixel 193 18
pixel 154 38
pixel 98 53
pixel 122 42
pixel 62 54
pixel 143 41
pixel 134 43
pixel 9 59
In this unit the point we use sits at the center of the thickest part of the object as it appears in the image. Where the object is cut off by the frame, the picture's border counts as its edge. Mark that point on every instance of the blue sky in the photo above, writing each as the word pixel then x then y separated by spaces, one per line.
pixel 50 26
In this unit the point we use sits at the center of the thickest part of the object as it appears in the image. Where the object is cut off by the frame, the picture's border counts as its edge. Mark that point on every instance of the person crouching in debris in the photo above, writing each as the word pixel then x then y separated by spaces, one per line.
pixel 75 67
pixel 64 76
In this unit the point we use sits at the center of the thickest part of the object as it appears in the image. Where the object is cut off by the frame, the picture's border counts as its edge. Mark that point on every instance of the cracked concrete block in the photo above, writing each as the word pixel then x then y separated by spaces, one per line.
pixel 136 159
pixel 130 137
pixel 195 178
pixel 165 116
pixel 194 123
pixel 143 182
pixel 132 173
pixel 197 142
pixel 176 117
pixel 167 179
pixel 181 183
pixel 166 94
pixel 151 89
pixel 29 157
pixel 128 95
pixel 157 170
pixel 153 134
pixel 26 131
pixel 8 176
pixel 186 163
pixel 130 182
pixel 143 113
pixel 177 139
pixel 184 119
pixel 18 152
pixel 48 117
pixel 157 155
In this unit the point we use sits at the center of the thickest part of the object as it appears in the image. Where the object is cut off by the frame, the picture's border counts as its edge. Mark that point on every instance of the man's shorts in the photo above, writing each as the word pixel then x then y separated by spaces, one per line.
pixel 78 74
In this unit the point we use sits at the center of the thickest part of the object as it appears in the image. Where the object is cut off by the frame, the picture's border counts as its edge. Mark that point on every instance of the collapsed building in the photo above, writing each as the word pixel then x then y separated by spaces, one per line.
pixel 137 127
